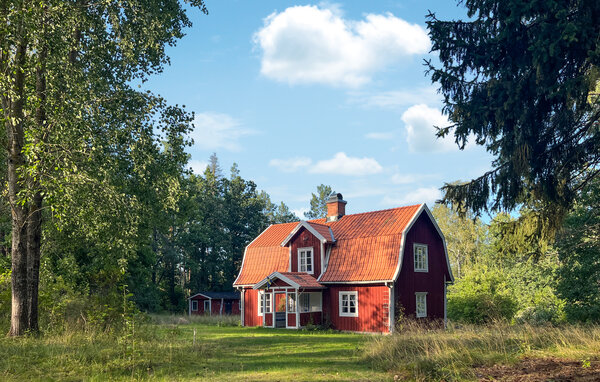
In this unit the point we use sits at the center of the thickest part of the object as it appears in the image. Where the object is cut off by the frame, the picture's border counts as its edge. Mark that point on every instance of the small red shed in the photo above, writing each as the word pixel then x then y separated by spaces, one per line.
pixel 358 272
pixel 214 303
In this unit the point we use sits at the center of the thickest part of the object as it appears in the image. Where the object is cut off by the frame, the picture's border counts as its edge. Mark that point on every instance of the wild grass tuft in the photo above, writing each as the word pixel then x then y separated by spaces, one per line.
pixel 199 319
pixel 422 353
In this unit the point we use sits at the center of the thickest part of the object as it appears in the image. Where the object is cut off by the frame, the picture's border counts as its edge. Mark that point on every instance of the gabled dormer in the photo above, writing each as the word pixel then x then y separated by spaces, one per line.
pixel 308 243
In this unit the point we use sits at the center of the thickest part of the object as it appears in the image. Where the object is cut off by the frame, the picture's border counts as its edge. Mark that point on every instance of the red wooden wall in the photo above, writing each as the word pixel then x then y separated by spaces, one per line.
pixel 422 232
pixel 251 317
pixel 373 303
pixel 216 306
pixel 306 239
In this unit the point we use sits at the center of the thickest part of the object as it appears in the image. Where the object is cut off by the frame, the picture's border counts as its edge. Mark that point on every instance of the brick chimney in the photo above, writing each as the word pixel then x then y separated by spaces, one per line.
pixel 336 207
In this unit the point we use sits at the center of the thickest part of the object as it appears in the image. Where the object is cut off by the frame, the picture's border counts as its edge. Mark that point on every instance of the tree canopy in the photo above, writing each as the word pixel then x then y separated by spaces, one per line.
pixel 518 77
pixel 318 202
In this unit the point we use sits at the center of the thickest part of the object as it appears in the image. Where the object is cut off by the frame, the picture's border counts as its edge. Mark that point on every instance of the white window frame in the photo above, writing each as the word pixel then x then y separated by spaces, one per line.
pixel 269 306
pixel 207 302
pixel 312 259
pixel 194 302
pixel 340 303
pixel 423 264
pixel 306 302
pixel 291 296
pixel 423 296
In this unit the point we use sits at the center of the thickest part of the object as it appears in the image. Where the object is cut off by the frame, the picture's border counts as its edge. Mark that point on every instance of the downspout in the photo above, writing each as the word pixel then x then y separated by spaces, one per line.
pixel 297 310
pixel 445 304
pixel 242 305
pixel 391 307
pixel 189 307
pixel 221 310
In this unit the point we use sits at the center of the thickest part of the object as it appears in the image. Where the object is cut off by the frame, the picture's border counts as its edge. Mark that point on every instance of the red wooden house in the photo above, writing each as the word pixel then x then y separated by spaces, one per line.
pixel 358 272
pixel 214 303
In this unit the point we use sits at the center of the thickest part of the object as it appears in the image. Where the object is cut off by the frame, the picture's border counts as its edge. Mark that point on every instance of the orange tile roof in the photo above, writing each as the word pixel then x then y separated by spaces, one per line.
pixel 265 255
pixel 367 247
pixel 323 230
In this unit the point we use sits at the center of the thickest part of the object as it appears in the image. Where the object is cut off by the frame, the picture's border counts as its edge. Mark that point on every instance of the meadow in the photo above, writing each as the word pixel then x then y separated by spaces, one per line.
pixel 177 348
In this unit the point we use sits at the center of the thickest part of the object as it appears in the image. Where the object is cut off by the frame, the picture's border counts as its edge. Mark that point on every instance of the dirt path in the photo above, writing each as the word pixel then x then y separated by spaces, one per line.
pixel 542 370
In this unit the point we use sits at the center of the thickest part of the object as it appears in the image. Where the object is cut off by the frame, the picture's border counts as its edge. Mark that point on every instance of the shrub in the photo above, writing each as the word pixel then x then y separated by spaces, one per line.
pixel 481 296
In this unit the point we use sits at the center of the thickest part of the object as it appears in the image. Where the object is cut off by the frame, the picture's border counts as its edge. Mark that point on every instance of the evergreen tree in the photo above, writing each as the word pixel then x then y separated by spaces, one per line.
pixel 516 77
pixel 318 202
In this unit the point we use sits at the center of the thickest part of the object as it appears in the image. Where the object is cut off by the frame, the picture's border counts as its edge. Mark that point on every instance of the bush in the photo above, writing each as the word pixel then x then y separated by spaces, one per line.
pixel 481 296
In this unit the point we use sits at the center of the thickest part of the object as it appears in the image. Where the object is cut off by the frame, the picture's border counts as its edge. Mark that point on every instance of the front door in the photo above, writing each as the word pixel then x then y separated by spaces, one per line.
pixel 280 310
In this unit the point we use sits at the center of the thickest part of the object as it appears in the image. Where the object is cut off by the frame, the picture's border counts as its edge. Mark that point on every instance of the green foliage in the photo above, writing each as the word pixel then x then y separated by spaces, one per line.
pixel 465 237
pixel 579 249
pixel 318 202
pixel 516 77
pixel 482 296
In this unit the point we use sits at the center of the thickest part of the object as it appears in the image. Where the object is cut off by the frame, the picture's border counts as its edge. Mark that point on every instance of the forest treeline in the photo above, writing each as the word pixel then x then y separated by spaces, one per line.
pixel 505 271
pixel 169 234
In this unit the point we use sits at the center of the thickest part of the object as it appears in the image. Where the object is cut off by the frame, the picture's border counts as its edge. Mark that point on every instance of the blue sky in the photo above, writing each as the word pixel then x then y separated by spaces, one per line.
pixel 299 94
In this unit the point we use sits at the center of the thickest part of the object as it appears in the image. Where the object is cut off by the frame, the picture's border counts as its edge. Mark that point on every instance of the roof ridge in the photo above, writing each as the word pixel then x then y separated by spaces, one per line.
pixel 369 212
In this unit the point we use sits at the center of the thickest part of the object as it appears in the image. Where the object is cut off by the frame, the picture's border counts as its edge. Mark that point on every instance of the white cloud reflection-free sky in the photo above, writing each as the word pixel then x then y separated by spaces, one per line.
pixel 304 93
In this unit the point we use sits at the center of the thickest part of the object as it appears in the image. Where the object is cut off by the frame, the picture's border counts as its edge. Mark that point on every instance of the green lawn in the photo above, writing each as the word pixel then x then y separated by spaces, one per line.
pixel 167 352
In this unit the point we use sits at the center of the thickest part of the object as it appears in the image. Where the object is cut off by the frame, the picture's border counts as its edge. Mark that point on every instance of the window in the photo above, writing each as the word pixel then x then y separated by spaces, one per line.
pixel 310 302
pixel 291 302
pixel 206 306
pixel 348 304
pixel 305 260
pixel 421 258
pixel 421 298
pixel 264 299
pixel 194 305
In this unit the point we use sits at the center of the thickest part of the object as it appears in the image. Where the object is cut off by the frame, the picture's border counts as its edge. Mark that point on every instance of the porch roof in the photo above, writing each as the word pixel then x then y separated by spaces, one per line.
pixel 297 280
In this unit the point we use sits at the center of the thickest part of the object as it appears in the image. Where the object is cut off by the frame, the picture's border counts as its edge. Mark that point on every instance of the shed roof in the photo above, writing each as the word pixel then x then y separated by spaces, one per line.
pixel 219 295
pixel 367 247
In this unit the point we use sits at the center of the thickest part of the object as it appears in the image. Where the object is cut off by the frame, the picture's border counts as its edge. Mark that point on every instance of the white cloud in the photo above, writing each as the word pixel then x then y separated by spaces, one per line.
pixel 308 44
pixel 420 122
pixel 421 195
pixel 214 131
pixel 341 164
pixel 381 136
pixel 396 99
pixel 197 166
pixel 290 165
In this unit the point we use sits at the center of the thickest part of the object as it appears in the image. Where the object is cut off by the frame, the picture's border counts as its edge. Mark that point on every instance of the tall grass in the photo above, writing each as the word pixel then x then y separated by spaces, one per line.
pixel 200 319
pixel 421 353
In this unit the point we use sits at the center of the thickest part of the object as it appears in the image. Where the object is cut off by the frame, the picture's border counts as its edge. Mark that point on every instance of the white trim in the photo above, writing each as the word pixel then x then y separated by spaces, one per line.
pixel 209 307
pixel 445 304
pixel 290 256
pixel 392 308
pixel 242 306
pixel 194 301
pixel 309 228
pixel 443 241
pixel 244 258
pixel 421 270
pixel 403 240
pixel 264 303
pixel 312 259
pixel 322 259
pixel 422 208
pixel 297 310
pixel 349 293
pixel 189 307
pixel 417 295
pixel 291 283
pixel 357 282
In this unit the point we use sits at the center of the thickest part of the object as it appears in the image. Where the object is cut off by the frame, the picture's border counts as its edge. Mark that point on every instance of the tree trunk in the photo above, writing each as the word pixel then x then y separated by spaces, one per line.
pixel 34 222
pixel 15 137
pixel 34 237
